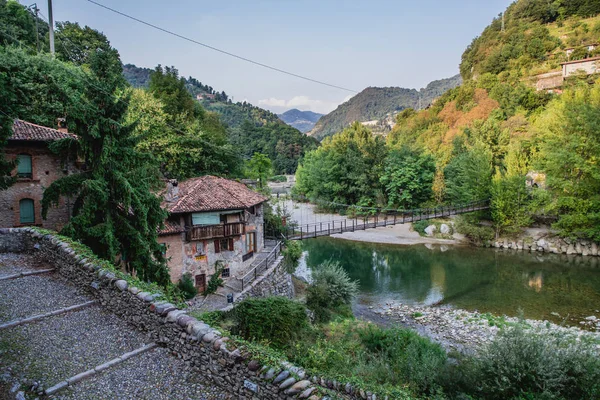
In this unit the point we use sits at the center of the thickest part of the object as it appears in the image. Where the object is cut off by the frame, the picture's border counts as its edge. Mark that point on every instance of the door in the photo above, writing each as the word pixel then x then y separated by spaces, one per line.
pixel 250 242
pixel 201 283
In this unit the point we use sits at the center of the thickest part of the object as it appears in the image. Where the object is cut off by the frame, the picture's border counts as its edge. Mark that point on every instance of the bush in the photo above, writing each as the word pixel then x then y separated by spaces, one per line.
pixel 278 178
pixel 215 280
pixel 291 255
pixel 186 286
pixel 276 320
pixel 525 365
pixel 420 227
pixel 331 291
pixel 478 234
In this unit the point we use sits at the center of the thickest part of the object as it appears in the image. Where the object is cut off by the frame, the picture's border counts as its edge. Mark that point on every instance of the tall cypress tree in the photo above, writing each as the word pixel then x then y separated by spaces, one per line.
pixel 115 210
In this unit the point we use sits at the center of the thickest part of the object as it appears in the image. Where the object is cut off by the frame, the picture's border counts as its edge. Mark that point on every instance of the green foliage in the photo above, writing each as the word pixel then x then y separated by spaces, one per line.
pixel 520 364
pixel 330 292
pixel 569 152
pixel 186 286
pixel 275 320
pixel 115 209
pixel 345 169
pixel 76 44
pixel 291 255
pixel 470 227
pixel 420 226
pixel 259 167
pixel 278 178
pixel 407 178
pixel 468 175
pixel 17 26
pixel 510 204
pixel 166 85
pixel 215 281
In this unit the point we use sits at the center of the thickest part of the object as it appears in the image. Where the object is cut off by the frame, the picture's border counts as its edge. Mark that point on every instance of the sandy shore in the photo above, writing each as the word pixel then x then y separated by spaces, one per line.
pixel 397 234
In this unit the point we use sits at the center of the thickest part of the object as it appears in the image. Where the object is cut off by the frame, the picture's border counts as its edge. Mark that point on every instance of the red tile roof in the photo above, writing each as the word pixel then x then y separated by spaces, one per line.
pixel 171 228
pixel 31 132
pixel 210 193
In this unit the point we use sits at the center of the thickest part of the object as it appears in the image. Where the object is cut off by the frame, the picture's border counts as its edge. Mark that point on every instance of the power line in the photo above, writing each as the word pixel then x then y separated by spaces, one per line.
pixel 221 51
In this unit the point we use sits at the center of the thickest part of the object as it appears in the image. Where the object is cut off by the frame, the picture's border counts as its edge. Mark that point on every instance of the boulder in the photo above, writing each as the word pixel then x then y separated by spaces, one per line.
pixel 594 249
pixel 444 229
pixel 430 230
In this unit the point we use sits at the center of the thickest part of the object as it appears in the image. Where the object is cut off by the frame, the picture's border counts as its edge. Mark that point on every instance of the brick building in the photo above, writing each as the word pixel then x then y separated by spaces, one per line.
pixel 211 221
pixel 37 167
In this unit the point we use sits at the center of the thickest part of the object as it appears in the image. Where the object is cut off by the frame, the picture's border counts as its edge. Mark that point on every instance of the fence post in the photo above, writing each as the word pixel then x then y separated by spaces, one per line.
pixel 345 225
pixel 315 230
pixel 328 229
pixel 300 233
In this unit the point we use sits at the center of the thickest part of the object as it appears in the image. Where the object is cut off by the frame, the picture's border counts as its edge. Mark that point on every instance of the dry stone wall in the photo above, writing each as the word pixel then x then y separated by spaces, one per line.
pixel 203 348
pixel 555 245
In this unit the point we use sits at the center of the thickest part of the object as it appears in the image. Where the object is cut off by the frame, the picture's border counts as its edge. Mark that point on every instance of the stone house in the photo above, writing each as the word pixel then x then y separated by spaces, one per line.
pixel 212 222
pixel 37 167
pixel 589 66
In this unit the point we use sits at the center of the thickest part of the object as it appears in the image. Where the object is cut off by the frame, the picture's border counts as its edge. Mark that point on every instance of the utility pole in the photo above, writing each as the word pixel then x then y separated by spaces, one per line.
pixel 36 10
pixel 51 26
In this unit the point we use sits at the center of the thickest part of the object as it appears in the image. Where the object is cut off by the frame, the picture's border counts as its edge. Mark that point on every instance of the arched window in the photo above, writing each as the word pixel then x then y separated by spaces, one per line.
pixel 26 211
pixel 24 167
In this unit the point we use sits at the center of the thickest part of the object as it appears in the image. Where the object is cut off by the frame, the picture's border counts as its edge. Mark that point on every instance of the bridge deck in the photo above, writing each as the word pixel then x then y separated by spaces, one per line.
pixel 314 230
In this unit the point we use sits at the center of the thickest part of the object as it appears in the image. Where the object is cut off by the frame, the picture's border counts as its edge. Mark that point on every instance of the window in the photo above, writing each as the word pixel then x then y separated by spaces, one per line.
pixel 225 273
pixel 223 245
pixel 26 211
pixel 205 219
pixel 24 167
pixel 250 242
pixel 252 210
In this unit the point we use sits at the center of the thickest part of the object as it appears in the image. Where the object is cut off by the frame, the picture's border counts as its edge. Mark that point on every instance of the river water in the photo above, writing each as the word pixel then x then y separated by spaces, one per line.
pixel 540 286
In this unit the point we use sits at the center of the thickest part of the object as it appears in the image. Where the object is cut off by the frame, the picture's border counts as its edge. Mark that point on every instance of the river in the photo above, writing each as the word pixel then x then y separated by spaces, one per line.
pixel 541 286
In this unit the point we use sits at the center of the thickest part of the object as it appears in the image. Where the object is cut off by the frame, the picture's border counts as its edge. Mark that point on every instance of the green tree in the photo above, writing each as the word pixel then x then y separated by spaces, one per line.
pixel 569 153
pixel 468 175
pixel 76 44
pixel 510 203
pixel 115 209
pixel 17 26
pixel 169 88
pixel 259 167
pixel 408 178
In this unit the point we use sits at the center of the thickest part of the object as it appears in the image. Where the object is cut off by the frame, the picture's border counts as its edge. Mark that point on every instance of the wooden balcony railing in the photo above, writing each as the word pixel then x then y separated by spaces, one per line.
pixel 215 231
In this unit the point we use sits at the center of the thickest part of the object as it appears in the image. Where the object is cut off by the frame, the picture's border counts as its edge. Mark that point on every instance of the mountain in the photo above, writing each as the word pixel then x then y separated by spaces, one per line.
pixel 304 121
pixel 375 104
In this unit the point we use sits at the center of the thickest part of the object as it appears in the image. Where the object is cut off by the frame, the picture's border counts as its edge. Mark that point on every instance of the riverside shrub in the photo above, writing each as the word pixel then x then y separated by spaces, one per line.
pixel 331 291
pixel 522 364
pixel 276 320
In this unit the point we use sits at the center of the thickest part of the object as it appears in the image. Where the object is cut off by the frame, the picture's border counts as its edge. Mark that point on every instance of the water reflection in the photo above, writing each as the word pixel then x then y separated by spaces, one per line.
pixel 470 278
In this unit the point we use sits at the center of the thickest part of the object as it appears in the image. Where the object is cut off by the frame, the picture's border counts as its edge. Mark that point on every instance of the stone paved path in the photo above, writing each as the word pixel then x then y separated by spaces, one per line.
pixel 56 348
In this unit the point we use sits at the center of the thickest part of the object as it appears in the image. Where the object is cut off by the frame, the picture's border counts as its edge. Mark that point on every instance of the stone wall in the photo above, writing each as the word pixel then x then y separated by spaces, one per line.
pixel 202 347
pixel 555 245
pixel 274 282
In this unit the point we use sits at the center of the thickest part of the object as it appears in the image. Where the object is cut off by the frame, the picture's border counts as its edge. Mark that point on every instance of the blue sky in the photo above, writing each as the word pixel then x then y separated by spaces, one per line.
pixel 349 43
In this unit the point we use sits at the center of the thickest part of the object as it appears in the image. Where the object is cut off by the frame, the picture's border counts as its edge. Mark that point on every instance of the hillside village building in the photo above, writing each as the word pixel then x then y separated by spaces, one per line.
pixel 554 80
pixel 37 168
pixel 212 221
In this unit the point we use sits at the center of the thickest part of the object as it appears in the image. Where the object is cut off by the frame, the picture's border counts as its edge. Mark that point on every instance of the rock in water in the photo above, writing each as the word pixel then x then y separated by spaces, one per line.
pixel 430 230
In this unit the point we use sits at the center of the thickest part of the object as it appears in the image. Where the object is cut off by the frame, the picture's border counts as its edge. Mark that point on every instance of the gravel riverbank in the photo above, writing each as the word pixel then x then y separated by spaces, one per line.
pixel 462 330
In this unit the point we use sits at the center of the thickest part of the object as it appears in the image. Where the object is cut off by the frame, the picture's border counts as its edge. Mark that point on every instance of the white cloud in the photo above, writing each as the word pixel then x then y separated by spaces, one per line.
pixel 303 103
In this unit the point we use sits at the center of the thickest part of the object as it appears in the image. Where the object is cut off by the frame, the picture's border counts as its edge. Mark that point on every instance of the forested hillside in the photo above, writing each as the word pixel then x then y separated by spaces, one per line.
pixel 375 103
pixel 250 129
pixel 487 138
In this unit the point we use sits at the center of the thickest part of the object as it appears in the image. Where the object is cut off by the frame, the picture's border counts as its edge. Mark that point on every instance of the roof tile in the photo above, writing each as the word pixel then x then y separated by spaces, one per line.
pixel 210 193
pixel 31 132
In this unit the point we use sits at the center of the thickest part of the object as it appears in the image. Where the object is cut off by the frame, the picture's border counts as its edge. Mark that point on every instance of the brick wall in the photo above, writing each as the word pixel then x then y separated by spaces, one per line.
pixel 46 168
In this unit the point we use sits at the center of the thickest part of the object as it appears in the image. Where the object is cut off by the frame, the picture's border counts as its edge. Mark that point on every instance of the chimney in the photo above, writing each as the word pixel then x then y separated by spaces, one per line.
pixel 62 125
pixel 172 190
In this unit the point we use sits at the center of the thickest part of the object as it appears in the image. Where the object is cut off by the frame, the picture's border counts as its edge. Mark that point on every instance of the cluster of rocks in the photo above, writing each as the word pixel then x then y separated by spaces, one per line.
pixel 553 245
pixel 466 331
pixel 202 348
pixel 432 229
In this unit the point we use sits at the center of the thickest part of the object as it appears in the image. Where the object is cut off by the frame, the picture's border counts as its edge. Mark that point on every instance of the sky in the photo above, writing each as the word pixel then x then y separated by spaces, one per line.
pixel 348 43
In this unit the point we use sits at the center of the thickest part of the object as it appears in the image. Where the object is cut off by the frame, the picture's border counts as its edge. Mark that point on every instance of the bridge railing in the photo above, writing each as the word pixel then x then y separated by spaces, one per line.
pixel 262 266
pixel 389 217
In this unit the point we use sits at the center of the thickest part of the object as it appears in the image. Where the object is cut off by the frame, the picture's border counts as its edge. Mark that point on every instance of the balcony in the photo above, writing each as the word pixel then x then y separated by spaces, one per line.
pixel 215 231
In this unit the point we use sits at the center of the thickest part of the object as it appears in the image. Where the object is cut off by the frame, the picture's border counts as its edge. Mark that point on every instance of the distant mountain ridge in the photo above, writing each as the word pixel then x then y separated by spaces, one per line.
pixel 304 121
pixel 376 104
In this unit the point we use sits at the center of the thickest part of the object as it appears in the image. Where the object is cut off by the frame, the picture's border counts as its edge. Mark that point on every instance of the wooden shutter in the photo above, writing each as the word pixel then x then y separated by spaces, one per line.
pixel 230 244
pixel 26 211
pixel 24 168
pixel 217 246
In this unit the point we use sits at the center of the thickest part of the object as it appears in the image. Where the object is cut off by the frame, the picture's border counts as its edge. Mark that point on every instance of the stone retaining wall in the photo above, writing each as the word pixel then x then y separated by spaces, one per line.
pixel 200 346
pixel 274 282
pixel 555 245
